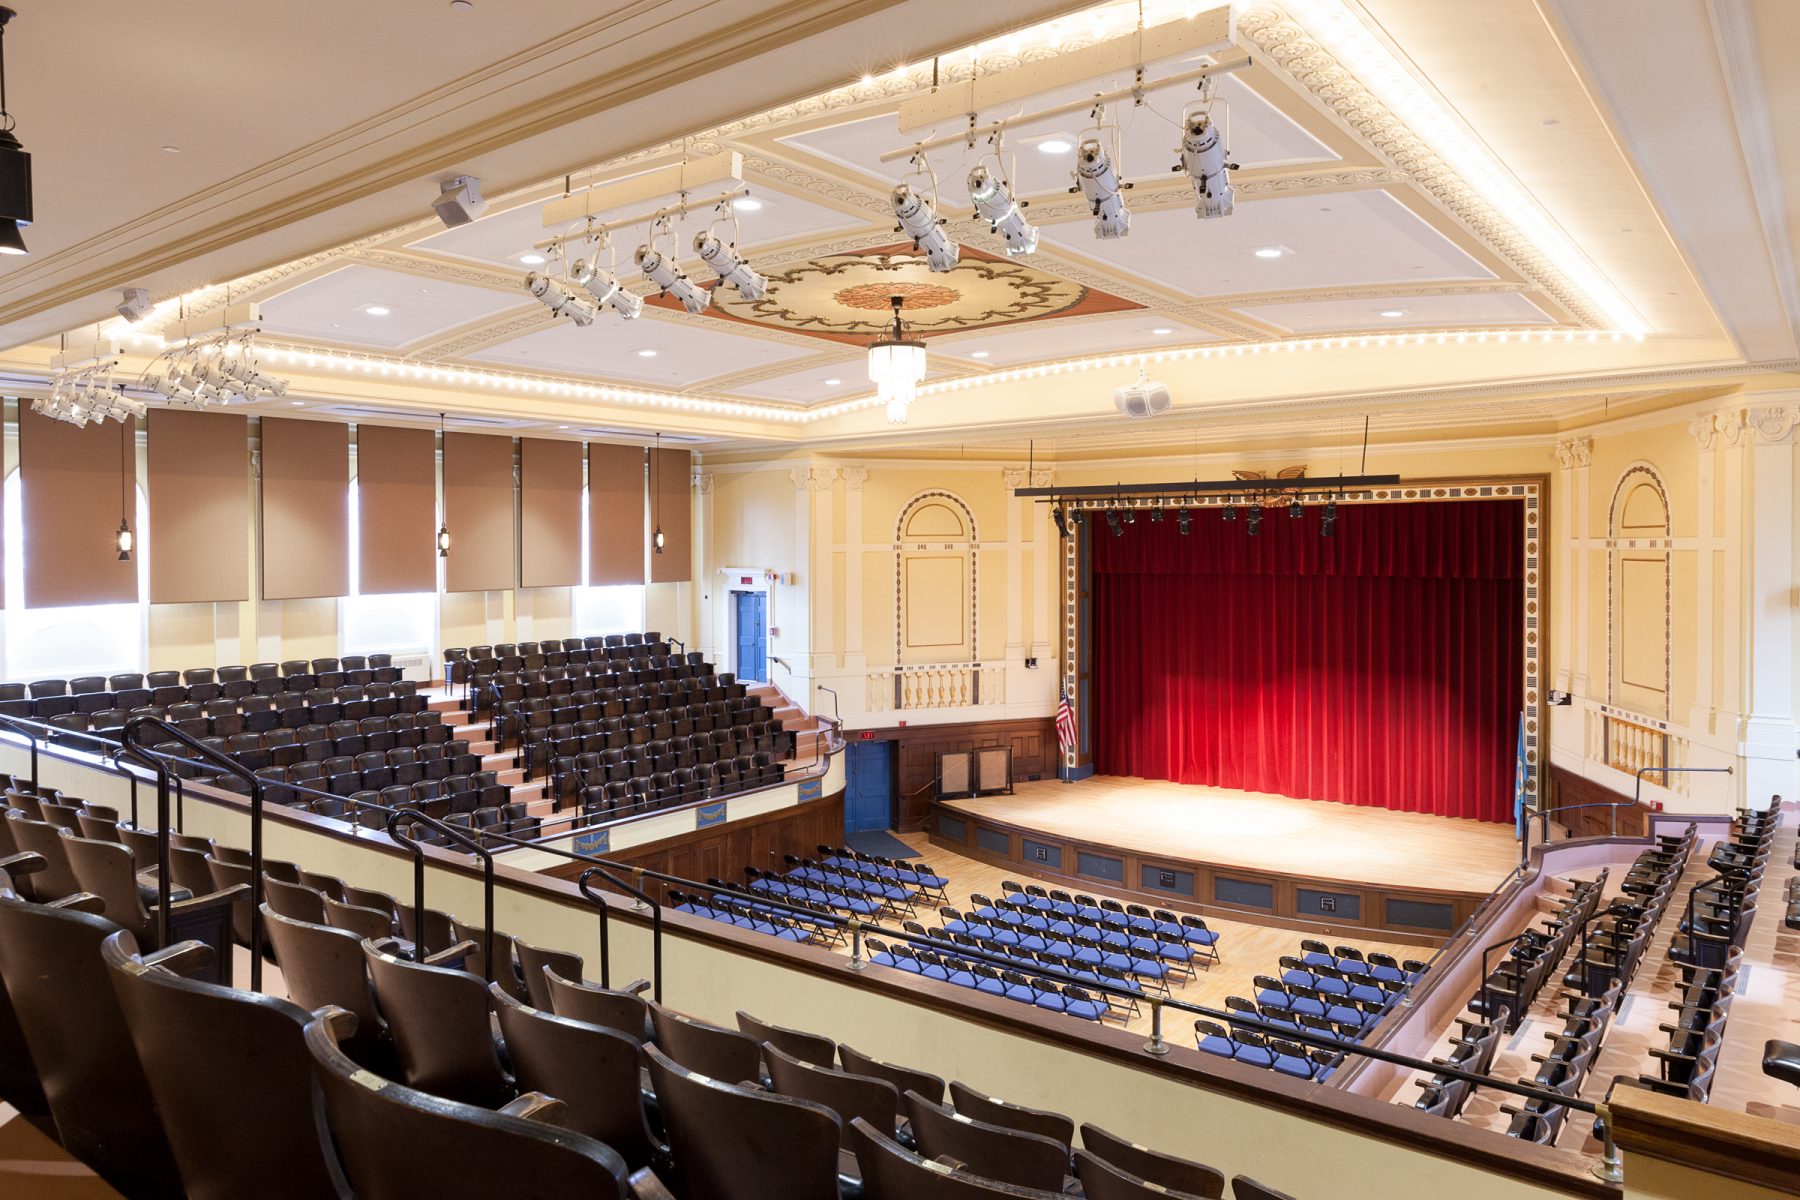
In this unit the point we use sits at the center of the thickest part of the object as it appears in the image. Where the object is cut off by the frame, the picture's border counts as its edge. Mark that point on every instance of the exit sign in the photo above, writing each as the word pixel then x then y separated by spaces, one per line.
pixel 867 735
pixel 746 580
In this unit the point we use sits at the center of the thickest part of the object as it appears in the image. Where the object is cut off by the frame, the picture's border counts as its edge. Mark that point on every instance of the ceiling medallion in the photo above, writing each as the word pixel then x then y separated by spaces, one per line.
pixel 847 297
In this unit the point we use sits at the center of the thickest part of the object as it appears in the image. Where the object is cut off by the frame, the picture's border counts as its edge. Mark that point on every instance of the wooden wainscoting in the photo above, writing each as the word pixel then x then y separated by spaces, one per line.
pixel 723 851
pixel 1568 790
pixel 1032 740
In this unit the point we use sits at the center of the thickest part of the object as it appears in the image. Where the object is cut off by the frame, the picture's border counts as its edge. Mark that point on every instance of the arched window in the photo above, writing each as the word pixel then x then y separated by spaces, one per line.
pixel 61 643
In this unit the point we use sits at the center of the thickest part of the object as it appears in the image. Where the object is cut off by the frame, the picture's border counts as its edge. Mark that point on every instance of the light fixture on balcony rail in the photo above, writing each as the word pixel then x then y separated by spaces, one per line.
pixel 443 533
pixel 896 365
pixel 123 539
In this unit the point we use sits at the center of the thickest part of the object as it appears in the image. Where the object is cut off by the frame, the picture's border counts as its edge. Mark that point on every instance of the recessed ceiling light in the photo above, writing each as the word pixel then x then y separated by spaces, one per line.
pixel 461 5
pixel 978 354
pixel 377 310
pixel 746 204
pixel 1054 145
pixel 171 149
pixel 562 426
pixel 1393 312
pixel 646 353
pixel 532 260
pixel 1162 331
pixel 298 403
pixel 833 382
pixel 1269 252
pixel 867 80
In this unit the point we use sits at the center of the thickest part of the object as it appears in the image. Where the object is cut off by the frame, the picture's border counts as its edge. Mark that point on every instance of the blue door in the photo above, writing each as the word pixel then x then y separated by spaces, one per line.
pixel 752 636
pixel 869 790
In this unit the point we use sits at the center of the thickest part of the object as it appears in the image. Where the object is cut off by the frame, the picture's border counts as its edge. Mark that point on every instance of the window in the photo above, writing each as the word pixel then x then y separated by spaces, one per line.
pixel 602 610
pixel 60 643
pixel 399 623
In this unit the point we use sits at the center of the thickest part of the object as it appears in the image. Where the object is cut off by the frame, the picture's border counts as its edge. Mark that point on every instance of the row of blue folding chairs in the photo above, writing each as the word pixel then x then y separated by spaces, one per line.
pixel 1086 944
pixel 1100 975
pixel 759 922
pixel 913 874
pixel 1286 1003
pixel 1332 982
pixel 842 879
pixel 1349 960
pixel 1160 922
pixel 1255 1049
pixel 1045 994
pixel 788 889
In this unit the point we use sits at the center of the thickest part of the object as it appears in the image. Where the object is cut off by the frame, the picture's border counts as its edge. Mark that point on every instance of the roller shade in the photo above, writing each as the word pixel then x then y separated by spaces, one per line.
pixel 305 509
pixel 478 507
pixel 396 483
pixel 198 464
pixel 549 513
pixel 74 484
pixel 672 477
pixel 616 537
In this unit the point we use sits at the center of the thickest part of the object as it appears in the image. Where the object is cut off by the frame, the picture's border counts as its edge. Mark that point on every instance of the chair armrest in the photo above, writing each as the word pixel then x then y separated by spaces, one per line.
pixel 646 1186
pixel 226 895
pixel 24 863
pixel 182 957
pixel 85 902
pixel 1672 1055
pixel 636 986
pixel 451 953
pixel 535 1106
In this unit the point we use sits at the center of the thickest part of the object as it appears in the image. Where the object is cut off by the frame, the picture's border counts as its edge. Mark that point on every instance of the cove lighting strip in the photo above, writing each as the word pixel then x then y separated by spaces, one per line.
pixel 1344 36
pixel 401 370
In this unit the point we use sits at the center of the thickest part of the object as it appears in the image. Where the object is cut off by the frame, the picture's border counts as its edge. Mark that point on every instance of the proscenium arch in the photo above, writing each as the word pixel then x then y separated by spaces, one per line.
pixel 971 539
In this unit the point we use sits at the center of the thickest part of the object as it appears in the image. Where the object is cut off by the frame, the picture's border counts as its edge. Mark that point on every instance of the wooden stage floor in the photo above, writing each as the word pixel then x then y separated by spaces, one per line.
pixel 1258 832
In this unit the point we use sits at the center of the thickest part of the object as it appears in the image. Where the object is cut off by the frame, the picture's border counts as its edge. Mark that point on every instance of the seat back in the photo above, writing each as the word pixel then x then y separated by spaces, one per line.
pixel 723 1054
pixel 904 1079
pixel 892 1172
pixel 212 1055
pixel 620 1011
pixel 726 1141
pixel 971 1103
pixel 849 1096
pixel 1245 1188
pixel 1022 1159
pixel 807 1047
pixel 105 869
pixel 57 879
pixel 592 1070
pixel 51 967
pixel 322 966
pixel 399 1144
pixel 295 901
pixel 364 922
pixel 1100 1180
pixel 439 1020
pixel 1165 1170
pixel 533 960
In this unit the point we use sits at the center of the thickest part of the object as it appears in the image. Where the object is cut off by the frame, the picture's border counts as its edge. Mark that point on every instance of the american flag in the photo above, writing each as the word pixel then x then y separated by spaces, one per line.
pixel 1065 723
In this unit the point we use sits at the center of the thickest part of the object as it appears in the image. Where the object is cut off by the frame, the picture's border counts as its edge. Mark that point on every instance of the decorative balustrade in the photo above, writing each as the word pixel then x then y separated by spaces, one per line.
pixel 936 685
pixel 1632 747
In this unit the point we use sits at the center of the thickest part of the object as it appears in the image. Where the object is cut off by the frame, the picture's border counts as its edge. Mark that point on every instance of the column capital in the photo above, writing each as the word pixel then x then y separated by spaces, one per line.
pixel 813 479
pixel 1016 477
pixel 704 482
pixel 854 477
pixel 1773 423
pixel 1572 452
pixel 1704 430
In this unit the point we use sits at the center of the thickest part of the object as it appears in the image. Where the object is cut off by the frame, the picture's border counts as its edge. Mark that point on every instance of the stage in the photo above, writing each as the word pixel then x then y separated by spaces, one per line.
pixel 1249 854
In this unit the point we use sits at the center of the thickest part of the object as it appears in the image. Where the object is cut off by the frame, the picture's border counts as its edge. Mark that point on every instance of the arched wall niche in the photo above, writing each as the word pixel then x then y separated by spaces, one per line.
pixel 935 582
pixel 1638 592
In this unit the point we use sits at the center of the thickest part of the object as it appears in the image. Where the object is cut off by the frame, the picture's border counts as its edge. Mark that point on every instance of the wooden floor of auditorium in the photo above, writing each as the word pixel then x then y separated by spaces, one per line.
pixel 1261 832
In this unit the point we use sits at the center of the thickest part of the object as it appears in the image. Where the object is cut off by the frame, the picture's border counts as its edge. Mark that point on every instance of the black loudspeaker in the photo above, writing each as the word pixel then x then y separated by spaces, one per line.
pixel 993 770
pixel 955 775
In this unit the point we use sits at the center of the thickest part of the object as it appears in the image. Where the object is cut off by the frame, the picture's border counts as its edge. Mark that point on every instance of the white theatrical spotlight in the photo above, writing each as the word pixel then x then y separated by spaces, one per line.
pixel 606 289
pixel 1203 157
pixel 920 223
pixel 561 299
pixel 663 272
pixel 1098 183
pixel 995 202
pixel 732 271
pixel 459 201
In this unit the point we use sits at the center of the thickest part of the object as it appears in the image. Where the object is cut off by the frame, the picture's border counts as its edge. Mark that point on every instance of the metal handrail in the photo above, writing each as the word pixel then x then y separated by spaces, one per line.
pixel 656 919
pixel 418 853
pixel 164 886
pixel 815 918
pixel 129 738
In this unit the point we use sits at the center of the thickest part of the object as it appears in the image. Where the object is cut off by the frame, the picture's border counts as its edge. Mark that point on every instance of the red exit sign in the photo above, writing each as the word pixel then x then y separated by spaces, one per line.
pixel 867 735
pixel 745 579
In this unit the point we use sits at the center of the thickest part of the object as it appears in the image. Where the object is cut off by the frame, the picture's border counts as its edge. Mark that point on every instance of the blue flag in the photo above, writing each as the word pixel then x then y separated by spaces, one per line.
pixel 1521 775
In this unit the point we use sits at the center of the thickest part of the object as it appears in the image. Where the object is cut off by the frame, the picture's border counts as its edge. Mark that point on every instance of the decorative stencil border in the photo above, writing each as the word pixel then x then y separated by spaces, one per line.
pixel 1531 492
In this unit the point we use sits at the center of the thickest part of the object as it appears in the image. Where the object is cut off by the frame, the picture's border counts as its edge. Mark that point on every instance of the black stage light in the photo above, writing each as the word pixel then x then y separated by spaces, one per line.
pixel 1328 525
pixel 1131 516
pixel 1181 521
pixel 1112 523
pixel 1255 522
pixel 1230 513
pixel 1156 516
pixel 1078 517
pixel 15 166
pixel 1295 511
pixel 1062 522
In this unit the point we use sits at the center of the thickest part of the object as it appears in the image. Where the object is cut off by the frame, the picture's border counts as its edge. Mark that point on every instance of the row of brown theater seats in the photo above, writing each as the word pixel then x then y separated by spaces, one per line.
pixel 460 661
pixel 46 698
pixel 147 1075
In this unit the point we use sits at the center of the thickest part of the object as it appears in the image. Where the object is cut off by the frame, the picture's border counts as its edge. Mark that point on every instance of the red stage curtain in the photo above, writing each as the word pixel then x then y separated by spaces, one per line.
pixel 1381 666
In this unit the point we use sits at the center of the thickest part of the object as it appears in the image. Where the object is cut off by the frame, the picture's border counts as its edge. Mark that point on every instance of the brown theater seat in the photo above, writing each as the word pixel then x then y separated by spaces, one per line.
pixel 1022 1159
pixel 1165 1170
pixel 807 1047
pixel 533 960
pixel 849 1096
pixel 904 1079
pixel 324 967
pixel 399 1144
pixel 439 1021
pixel 624 1011
pixel 214 1055
pixel 892 1172
pixel 722 1054
pixel 995 1111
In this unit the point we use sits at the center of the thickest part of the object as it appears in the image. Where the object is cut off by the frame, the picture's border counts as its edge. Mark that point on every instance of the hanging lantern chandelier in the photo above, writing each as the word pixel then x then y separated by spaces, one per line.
pixel 896 365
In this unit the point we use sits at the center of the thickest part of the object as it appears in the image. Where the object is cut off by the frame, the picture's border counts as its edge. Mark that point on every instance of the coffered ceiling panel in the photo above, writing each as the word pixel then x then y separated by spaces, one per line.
pixel 1258 135
pixel 686 351
pixel 336 307
pixel 1469 309
pixel 1326 241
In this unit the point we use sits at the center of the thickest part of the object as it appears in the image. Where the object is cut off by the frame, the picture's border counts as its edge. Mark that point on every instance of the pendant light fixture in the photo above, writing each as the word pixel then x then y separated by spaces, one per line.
pixel 896 365
pixel 15 166
pixel 443 533
pixel 123 539
pixel 656 535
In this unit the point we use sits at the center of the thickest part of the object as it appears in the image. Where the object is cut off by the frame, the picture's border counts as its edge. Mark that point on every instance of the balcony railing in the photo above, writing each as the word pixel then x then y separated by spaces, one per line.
pixel 935 685
pixel 1631 747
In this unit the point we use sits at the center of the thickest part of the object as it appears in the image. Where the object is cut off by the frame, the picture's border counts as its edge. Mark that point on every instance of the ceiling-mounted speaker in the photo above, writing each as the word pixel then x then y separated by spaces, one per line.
pixel 1144 398
pixel 459 201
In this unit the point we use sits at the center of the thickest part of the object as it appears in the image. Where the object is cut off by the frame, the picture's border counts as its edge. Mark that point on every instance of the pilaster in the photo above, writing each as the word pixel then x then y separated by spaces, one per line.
pixel 1574 516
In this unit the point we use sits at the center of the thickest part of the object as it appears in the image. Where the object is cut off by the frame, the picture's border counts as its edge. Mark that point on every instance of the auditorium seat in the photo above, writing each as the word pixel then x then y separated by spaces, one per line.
pixel 807 1047
pixel 892 1172
pixel 622 1010
pixel 710 1050
pixel 1022 1159
pixel 439 1020
pixel 1177 1175
pixel 970 1103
